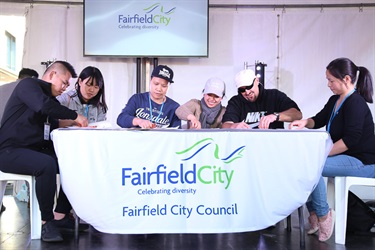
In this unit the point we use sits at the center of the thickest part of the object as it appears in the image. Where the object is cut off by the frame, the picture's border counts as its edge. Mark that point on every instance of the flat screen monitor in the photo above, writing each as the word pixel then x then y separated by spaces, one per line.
pixel 143 28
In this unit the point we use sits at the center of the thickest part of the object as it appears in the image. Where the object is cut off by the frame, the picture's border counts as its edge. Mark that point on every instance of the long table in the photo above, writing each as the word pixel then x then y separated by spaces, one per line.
pixel 132 181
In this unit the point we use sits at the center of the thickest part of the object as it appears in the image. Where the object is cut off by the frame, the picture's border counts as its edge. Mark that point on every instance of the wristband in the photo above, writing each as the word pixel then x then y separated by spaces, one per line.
pixel 277 116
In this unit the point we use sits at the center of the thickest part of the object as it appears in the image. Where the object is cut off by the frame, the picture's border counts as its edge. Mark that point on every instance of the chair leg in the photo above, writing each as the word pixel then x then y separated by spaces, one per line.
pixel 301 227
pixel 3 185
pixel 289 223
pixel 35 215
pixel 341 203
pixel 76 228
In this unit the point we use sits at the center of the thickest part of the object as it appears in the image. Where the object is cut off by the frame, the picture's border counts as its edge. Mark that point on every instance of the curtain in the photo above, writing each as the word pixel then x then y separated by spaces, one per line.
pixel 311 39
pixel 296 45
pixel 56 32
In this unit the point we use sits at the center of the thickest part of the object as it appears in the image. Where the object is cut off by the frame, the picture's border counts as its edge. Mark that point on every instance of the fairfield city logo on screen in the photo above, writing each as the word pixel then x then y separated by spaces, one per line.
pixel 189 171
pixel 154 16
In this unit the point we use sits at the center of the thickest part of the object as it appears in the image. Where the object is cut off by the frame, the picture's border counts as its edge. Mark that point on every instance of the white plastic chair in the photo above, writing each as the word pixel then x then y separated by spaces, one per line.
pixel 35 216
pixel 341 191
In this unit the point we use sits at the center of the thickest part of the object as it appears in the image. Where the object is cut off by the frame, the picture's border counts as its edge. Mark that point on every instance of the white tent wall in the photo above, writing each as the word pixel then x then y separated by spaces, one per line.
pixel 295 43
pixel 56 33
pixel 318 38
pixel 308 40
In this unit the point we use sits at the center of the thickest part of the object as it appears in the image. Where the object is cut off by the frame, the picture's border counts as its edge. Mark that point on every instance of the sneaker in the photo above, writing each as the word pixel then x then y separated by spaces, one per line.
pixel 67 224
pixel 50 233
pixel 314 224
pixel 326 227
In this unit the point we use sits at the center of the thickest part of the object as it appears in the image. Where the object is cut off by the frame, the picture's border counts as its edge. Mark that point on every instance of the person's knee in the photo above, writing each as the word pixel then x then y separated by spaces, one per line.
pixel 47 167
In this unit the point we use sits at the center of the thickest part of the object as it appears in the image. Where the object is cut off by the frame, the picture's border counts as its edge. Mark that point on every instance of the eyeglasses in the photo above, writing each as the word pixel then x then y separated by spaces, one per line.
pixel 64 83
pixel 243 89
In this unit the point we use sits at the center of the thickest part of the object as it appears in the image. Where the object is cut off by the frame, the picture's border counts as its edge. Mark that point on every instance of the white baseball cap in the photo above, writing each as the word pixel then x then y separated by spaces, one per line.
pixel 244 78
pixel 215 86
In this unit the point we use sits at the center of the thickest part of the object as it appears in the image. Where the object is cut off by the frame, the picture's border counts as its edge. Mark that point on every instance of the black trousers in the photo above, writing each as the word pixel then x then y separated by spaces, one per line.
pixel 44 166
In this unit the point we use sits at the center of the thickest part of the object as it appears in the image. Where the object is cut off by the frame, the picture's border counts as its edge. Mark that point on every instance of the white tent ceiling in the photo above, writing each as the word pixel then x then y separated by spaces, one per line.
pixel 263 2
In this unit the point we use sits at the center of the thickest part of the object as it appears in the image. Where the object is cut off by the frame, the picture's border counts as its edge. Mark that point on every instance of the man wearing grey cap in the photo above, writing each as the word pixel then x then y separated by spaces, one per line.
pixel 152 109
pixel 207 112
pixel 257 107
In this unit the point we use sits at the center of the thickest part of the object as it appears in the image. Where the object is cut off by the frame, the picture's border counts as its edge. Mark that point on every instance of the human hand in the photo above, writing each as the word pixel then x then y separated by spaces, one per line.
pixel 145 124
pixel 266 120
pixel 194 123
pixel 298 124
pixel 81 121
pixel 240 125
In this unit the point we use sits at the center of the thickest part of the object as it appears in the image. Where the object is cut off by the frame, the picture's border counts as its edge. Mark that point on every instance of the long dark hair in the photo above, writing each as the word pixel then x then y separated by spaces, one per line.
pixel 93 73
pixel 341 67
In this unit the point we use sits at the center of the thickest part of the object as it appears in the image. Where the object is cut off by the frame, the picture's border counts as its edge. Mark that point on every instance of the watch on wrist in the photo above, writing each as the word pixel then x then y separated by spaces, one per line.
pixel 277 116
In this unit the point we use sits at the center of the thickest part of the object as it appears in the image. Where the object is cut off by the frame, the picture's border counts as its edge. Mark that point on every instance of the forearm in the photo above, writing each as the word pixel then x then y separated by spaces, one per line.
pixel 338 148
pixel 238 125
pixel 66 123
pixel 227 125
pixel 182 113
pixel 290 115
pixel 310 123
pixel 191 117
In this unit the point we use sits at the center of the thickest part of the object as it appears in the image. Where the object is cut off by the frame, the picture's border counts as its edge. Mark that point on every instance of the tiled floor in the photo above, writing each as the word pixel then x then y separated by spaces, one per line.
pixel 15 234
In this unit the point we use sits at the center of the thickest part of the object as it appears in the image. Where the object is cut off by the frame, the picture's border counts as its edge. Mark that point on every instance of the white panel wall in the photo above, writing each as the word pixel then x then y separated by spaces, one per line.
pixel 296 44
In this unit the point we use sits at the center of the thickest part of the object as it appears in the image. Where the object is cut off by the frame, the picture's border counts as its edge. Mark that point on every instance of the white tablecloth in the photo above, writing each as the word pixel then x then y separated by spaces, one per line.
pixel 180 181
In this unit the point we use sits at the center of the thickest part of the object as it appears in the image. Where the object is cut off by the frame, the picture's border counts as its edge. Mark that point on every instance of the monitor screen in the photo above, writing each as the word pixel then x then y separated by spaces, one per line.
pixel 144 28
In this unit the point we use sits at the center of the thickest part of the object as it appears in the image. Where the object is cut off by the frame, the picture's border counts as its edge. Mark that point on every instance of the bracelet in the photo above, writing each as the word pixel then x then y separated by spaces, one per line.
pixel 277 116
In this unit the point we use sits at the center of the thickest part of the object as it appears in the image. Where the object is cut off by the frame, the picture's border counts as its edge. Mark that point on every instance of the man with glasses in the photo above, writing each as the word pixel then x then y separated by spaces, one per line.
pixel 5 91
pixel 257 107
pixel 25 146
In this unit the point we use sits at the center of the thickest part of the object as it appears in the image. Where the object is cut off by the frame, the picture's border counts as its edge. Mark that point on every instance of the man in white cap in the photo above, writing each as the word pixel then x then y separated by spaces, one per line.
pixel 257 107
pixel 207 112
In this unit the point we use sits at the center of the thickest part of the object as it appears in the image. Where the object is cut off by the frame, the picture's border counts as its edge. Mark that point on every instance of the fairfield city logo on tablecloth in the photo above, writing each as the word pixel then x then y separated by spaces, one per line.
pixel 189 171
pixel 154 17
pixel 186 172
pixel 212 174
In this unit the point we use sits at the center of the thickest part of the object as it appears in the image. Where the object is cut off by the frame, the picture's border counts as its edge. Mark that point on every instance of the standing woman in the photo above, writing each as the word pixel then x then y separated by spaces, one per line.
pixel 348 120
pixel 87 98
pixel 207 112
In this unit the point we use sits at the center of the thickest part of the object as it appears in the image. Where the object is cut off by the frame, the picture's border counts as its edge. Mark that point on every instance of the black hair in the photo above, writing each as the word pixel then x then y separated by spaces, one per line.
pixel 93 73
pixel 342 67
pixel 26 72
pixel 63 66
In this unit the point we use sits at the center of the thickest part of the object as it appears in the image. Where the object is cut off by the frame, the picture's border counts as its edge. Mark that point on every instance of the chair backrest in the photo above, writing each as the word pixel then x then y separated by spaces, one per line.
pixel 342 185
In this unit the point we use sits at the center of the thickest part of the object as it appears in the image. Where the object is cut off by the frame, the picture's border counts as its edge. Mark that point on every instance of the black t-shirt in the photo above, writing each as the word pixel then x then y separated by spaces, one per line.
pixel 268 102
